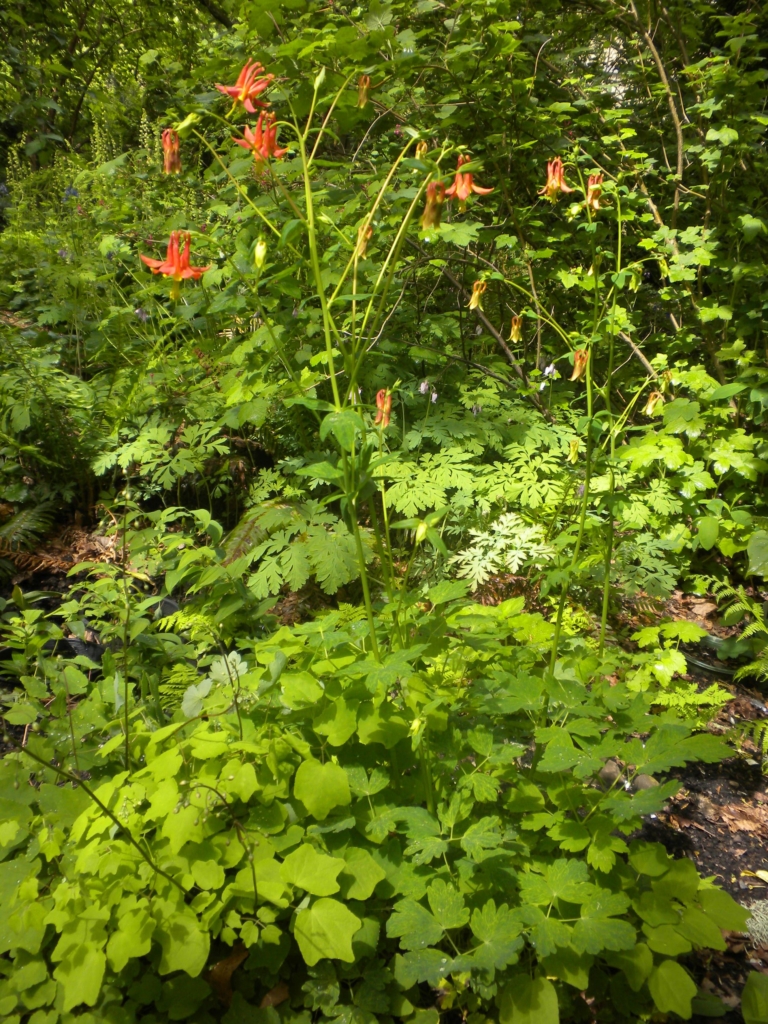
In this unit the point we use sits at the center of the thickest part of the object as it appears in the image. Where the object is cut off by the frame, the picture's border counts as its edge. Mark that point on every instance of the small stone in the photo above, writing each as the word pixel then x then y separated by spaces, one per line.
pixel 610 772
pixel 645 782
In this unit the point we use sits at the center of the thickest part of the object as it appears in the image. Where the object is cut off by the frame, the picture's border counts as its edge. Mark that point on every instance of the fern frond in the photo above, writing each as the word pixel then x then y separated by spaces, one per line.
pixel 26 528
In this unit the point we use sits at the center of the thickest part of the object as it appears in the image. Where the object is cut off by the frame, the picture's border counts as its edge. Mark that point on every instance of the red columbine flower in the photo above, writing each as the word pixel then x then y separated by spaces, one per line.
pixel 594 188
pixel 476 300
pixel 516 329
pixel 463 184
pixel 251 83
pixel 434 208
pixel 422 148
pixel 171 152
pixel 580 360
pixel 655 399
pixel 555 181
pixel 176 262
pixel 384 407
pixel 364 235
pixel 363 90
pixel 263 141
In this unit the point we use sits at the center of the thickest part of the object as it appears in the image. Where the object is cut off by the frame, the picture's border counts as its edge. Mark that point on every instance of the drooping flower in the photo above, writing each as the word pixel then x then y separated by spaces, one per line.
pixel 171 152
pixel 364 235
pixel 433 397
pixel 363 90
pixel 263 141
pixel 260 254
pixel 424 387
pixel 176 262
pixel 476 299
pixel 573 451
pixel 555 181
pixel 655 399
pixel 422 148
pixel 250 84
pixel 594 188
pixel 434 209
pixel 580 360
pixel 463 184
pixel 384 408
pixel 516 329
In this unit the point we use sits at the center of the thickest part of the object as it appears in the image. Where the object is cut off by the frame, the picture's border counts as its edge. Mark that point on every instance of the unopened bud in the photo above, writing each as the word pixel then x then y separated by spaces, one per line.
pixel 260 254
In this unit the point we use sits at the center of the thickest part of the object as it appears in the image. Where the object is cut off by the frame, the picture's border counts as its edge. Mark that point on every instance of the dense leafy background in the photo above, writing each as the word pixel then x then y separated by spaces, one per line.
pixel 382 792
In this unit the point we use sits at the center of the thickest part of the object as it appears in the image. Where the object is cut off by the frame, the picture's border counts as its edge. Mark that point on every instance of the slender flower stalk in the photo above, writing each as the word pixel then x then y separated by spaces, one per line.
pixel 555 181
pixel 171 152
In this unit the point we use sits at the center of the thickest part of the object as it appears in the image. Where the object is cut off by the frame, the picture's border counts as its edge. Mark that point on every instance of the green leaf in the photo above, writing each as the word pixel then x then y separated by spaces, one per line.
pixel 326 929
pixel 672 989
pixel 526 1000
pixel 700 929
pixel 80 976
pixel 361 874
pixel 344 426
pixel 498 933
pixel 708 531
pixel 726 391
pixel 757 550
pixel 321 787
pixel 413 925
pixel 337 721
pixel 447 905
pixel 132 938
pixel 636 963
pixel 314 872
pixel 183 942
pixel 563 879
pixel 598 929
pixel 570 966
pixel 754 999
pixel 723 909
pixel 380 725
pixel 671 746
pixel 481 835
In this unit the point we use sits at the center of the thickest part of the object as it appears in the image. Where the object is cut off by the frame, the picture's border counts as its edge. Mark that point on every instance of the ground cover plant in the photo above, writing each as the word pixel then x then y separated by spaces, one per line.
pixel 384 370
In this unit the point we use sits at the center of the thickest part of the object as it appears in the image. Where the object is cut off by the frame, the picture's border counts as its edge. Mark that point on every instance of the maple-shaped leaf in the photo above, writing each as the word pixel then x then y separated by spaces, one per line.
pixel 447 905
pixel 598 928
pixel 564 879
pixel 499 935
pixel 413 925
pixel 481 835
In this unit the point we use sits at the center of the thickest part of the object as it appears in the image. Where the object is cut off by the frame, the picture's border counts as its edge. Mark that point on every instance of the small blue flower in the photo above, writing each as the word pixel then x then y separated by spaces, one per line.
pixel 70 192
pixel 3 189
pixel 142 314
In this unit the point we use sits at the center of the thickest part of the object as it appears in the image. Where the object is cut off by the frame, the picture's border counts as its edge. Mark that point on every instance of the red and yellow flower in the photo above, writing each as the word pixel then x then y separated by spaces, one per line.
pixel 363 90
pixel 171 152
pixel 463 184
pixel 176 262
pixel 250 84
pixel 516 329
pixel 655 399
pixel 594 188
pixel 476 299
pixel 262 141
pixel 555 181
pixel 383 408
pixel 433 210
pixel 580 360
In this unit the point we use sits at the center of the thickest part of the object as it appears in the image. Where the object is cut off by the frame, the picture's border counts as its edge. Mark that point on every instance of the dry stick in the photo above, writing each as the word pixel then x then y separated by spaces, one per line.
pixel 104 809
pixel 672 105
pixel 636 352
pixel 511 359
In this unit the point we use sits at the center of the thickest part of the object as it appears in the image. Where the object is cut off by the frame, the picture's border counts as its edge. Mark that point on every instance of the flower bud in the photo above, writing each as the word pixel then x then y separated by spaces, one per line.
pixel 363 90
pixel 364 235
pixel 573 451
pixel 422 149
pixel 260 254
pixel 384 408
